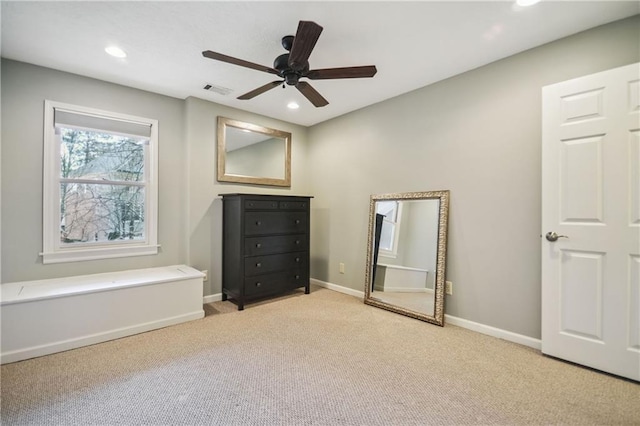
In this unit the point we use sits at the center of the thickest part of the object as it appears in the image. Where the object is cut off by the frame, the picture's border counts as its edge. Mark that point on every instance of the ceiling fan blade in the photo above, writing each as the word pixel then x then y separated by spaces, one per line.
pixel 260 90
pixel 303 43
pixel 346 72
pixel 310 93
pixel 235 61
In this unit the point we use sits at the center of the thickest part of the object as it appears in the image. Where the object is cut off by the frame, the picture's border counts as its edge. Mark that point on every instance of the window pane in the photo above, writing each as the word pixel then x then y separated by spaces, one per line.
pixel 98 155
pixel 95 212
pixel 388 209
pixel 386 236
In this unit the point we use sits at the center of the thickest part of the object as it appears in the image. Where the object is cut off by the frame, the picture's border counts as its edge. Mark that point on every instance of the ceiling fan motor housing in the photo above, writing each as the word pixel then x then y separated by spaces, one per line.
pixel 291 77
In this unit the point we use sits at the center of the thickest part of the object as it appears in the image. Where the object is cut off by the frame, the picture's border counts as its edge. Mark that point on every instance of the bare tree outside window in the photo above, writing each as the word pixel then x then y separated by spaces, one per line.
pixel 101 186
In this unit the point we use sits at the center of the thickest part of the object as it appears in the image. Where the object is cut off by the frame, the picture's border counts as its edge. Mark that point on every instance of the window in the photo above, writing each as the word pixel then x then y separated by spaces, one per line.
pixel 100 184
pixel 392 212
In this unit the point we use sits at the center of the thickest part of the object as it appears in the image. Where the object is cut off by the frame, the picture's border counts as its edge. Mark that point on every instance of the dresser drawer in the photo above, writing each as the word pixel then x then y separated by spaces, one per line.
pixel 275 283
pixel 261 205
pixel 256 246
pixel 294 205
pixel 264 223
pixel 276 262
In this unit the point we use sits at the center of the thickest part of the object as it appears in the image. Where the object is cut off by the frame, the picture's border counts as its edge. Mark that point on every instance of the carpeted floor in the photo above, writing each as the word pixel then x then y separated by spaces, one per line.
pixel 318 359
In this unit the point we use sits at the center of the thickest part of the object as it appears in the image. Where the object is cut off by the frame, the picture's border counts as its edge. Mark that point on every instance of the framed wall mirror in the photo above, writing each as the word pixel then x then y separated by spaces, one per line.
pixel 406 254
pixel 248 153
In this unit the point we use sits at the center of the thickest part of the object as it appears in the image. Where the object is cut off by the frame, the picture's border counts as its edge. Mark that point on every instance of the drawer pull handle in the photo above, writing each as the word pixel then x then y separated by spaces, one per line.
pixel 297 221
pixel 297 260
pixel 258 284
pixel 258 265
pixel 258 223
pixel 297 242
pixel 297 277
pixel 250 204
pixel 258 245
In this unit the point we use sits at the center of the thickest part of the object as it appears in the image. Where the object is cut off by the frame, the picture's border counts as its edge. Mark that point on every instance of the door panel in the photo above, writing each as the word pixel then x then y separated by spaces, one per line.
pixel 634 303
pixel 582 106
pixel 634 178
pixel 591 194
pixel 581 294
pixel 581 179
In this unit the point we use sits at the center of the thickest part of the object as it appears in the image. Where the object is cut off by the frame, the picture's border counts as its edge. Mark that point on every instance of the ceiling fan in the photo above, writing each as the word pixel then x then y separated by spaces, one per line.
pixel 293 66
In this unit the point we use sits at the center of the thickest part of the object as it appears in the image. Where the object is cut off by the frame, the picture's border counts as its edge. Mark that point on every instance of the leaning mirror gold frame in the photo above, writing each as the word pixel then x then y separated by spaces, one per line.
pixel 443 212
pixel 225 176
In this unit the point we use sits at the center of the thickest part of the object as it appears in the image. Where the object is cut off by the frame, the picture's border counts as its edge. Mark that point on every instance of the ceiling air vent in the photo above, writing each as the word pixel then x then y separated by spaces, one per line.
pixel 218 89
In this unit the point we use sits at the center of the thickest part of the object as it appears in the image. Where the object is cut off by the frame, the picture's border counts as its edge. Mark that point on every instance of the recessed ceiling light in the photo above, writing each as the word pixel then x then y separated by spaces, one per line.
pixel 116 52
pixel 526 3
pixel 293 105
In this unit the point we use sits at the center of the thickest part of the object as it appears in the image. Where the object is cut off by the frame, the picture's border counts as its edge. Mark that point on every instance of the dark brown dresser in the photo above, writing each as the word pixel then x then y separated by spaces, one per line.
pixel 265 245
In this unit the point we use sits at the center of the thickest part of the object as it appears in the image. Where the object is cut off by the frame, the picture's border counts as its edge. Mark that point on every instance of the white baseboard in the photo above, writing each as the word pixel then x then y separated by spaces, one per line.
pixel 338 288
pixel 495 332
pixel 449 319
pixel 335 287
pixel 65 345
pixel 212 298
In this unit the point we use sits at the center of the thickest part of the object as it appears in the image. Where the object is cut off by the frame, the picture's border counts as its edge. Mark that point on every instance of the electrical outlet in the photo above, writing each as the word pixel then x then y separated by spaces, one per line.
pixel 206 275
pixel 341 268
pixel 448 287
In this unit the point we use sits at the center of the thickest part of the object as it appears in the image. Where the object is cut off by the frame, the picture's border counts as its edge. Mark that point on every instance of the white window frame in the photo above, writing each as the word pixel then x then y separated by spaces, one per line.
pixel 395 231
pixel 53 250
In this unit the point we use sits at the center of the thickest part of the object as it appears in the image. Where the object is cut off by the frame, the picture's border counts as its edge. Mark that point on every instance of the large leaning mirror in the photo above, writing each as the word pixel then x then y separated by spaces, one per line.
pixel 248 153
pixel 406 254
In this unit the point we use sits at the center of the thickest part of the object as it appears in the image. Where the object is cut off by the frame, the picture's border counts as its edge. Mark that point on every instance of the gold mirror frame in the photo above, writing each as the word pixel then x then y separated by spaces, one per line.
pixel 443 213
pixel 223 176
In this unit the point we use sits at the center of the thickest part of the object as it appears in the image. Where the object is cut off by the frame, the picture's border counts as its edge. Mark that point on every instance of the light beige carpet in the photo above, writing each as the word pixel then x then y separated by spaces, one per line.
pixel 419 302
pixel 318 359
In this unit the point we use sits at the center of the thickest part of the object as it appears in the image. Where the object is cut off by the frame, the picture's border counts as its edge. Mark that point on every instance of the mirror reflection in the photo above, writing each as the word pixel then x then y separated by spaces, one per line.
pixel 407 245
pixel 248 153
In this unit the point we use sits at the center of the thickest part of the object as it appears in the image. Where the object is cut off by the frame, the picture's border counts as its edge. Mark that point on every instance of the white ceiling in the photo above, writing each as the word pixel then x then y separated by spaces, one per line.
pixel 413 44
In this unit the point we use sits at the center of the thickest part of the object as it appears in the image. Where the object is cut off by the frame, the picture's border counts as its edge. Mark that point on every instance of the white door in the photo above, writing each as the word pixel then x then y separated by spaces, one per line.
pixel 591 195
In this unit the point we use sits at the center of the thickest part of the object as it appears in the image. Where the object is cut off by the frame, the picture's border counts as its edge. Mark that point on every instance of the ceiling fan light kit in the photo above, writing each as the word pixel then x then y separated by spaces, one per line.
pixel 293 66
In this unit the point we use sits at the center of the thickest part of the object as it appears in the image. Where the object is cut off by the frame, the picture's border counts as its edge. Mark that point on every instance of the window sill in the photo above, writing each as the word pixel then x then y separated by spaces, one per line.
pixel 78 255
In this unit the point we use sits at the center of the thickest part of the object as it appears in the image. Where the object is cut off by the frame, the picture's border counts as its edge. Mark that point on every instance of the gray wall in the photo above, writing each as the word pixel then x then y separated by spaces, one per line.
pixel 262 159
pixel 189 207
pixel 478 135
pixel 421 225
pixel 24 89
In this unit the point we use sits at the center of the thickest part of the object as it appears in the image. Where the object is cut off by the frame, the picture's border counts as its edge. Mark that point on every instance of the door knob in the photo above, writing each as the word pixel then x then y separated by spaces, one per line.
pixel 552 236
